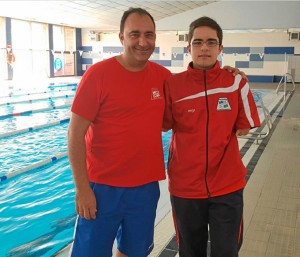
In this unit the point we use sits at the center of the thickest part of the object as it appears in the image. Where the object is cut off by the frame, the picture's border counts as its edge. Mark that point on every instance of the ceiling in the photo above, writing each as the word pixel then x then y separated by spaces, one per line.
pixel 170 15
pixel 92 14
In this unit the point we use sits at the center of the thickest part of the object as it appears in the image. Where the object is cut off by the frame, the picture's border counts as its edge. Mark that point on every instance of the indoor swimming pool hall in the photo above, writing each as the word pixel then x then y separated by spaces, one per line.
pixel 46 47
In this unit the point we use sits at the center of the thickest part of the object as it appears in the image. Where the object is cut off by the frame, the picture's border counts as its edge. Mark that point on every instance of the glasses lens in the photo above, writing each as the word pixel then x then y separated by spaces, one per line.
pixel 212 42
pixel 197 43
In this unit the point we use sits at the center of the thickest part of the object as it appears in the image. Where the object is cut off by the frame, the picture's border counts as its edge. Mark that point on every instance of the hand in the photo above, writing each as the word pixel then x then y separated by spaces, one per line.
pixel 242 132
pixel 235 71
pixel 86 203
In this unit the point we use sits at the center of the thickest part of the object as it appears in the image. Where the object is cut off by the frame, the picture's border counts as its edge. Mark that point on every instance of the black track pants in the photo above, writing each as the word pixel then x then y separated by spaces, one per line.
pixel 218 218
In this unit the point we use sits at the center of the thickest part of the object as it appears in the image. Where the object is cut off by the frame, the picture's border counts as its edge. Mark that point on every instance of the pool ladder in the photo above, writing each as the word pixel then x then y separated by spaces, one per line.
pixel 287 77
pixel 267 120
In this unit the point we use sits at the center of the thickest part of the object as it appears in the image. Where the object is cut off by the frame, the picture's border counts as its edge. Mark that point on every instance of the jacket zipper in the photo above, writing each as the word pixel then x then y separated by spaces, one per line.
pixel 206 134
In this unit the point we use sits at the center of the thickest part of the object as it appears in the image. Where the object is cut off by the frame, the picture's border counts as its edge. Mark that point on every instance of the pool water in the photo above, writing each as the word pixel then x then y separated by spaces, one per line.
pixel 36 207
pixel 19 151
pixel 15 123
pixel 37 211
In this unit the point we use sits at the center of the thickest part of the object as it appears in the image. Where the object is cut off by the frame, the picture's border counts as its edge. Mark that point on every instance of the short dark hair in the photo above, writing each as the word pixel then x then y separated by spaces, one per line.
pixel 208 22
pixel 134 10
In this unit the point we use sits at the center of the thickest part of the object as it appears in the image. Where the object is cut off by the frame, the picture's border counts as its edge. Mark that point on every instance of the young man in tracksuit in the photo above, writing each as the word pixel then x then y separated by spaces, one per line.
pixel 207 108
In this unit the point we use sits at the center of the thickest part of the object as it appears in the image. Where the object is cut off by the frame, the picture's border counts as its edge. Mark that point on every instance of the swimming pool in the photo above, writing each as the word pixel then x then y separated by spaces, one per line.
pixel 37 207
pixel 37 211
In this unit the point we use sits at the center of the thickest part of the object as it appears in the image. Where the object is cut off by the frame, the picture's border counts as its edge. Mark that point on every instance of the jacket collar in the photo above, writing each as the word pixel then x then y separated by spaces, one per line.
pixel 199 74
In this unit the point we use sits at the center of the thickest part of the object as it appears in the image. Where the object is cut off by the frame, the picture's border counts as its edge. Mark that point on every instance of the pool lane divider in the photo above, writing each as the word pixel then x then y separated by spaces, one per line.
pixel 2 117
pixel 60 85
pixel 37 99
pixel 33 166
pixel 30 129
pixel 51 90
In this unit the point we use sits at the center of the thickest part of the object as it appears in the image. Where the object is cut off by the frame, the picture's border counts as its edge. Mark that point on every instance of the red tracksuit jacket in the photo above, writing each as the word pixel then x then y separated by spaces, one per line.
pixel 204 108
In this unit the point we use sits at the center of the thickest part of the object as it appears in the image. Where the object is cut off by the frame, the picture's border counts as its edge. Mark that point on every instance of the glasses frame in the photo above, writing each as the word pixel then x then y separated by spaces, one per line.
pixel 209 43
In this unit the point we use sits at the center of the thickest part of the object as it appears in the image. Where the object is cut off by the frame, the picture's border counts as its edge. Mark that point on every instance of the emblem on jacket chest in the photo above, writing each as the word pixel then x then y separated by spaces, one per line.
pixel 223 105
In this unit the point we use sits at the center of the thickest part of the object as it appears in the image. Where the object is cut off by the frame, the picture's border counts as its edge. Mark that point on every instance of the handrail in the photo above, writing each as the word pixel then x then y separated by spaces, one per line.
pixel 268 121
pixel 285 78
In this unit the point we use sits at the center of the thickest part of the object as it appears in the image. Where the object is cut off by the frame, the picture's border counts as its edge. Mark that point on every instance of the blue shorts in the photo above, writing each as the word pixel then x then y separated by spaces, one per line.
pixel 126 214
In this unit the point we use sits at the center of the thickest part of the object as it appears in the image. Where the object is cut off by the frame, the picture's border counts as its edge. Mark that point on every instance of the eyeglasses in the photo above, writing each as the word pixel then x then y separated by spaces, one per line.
pixel 209 43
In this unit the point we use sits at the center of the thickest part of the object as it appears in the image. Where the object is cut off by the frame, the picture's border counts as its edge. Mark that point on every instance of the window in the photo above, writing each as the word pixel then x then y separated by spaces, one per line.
pixel 64 51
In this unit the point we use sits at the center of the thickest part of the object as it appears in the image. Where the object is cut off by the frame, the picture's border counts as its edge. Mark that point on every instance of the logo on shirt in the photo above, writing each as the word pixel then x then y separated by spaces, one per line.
pixel 223 105
pixel 191 110
pixel 155 94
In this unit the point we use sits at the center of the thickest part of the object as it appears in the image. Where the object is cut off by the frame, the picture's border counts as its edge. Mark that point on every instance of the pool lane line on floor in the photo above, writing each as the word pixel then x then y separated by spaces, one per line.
pixel 33 166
